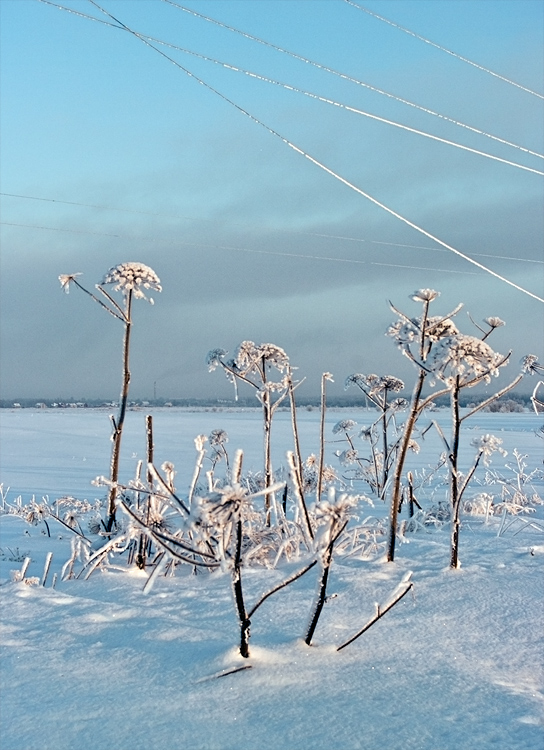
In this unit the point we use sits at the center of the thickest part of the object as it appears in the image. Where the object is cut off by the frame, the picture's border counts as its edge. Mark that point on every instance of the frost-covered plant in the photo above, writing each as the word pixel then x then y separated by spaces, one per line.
pixel 220 530
pixel 415 338
pixel 463 362
pixel 378 391
pixel 326 377
pixel 456 361
pixel 218 439
pixel 130 279
pixel 253 364
pixel 518 493
pixel 67 511
pixel 350 458
pixel 332 516
pixel 531 366
pixel 486 446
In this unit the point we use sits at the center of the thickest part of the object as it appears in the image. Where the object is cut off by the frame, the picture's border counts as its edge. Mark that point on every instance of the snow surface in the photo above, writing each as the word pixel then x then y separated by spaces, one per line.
pixel 97 665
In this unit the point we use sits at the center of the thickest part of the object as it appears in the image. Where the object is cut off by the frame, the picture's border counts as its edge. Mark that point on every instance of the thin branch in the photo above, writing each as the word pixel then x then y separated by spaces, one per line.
pixel 99 301
pixel 281 585
pixel 108 296
pixel 486 333
pixel 161 537
pixel 376 617
pixel 468 477
pixel 440 432
pixel 168 489
pixel 493 398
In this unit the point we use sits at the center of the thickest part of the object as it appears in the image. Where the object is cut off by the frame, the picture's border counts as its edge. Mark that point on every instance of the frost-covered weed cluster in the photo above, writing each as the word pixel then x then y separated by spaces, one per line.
pixel 300 516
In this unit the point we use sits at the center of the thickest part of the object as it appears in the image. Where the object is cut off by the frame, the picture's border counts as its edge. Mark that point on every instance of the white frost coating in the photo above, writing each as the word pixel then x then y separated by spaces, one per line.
pixel 487 445
pixel 465 356
pixel 66 279
pixel 132 276
pixel 344 425
pixel 425 295
pixel 250 356
pixel 406 332
pixel 531 366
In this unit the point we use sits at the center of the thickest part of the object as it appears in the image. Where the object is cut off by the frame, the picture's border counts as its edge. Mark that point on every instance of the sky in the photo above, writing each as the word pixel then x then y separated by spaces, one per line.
pixel 111 152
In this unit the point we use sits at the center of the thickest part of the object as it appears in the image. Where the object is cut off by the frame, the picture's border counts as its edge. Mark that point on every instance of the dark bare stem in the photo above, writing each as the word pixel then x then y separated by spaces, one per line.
pixel 455 498
pixel 399 466
pixel 243 617
pixel 282 585
pixel 380 613
pixel 322 588
pixel 294 425
pixel 149 446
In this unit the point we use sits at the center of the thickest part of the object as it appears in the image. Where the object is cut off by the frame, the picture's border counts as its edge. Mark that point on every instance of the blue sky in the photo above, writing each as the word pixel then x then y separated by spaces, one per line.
pixel 223 210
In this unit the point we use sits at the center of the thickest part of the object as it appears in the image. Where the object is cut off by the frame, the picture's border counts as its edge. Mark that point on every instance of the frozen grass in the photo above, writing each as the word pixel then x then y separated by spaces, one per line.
pixel 98 665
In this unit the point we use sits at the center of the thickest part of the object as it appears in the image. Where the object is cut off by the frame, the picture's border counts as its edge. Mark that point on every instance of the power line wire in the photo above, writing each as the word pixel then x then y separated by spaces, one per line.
pixel 240 249
pixel 283 231
pixel 347 77
pixel 322 166
pixel 443 49
pixel 317 97
pixel 326 169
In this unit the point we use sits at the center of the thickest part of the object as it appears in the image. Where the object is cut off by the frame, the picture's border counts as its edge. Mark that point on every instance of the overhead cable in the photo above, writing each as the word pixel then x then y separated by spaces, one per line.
pixel 443 49
pixel 320 98
pixel 346 77
pixel 323 167
pixel 282 230
pixel 213 246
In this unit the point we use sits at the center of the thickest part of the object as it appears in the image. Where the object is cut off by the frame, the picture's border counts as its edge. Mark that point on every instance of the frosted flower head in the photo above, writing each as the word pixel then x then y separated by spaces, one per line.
pixel 487 445
pixel 435 328
pixel 66 279
pixel 133 277
pixel 170 471
pixel 531 366
pixel 214 358
pixel 366 433
pixel 250 357
pixel 331 514
pixel 494 322
pixel 363 381
pixel 344 425
pixel 425 295
pixel 464 356
pixel 224 506
pixel 390 383
pixel 348 457
pixel 218 437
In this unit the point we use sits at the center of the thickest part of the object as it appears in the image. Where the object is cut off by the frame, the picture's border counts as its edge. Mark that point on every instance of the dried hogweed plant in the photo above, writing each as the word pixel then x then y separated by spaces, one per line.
pixel 130 280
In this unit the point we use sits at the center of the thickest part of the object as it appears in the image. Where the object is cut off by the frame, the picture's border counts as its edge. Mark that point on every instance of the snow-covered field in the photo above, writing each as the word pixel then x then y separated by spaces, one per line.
pixel 96 664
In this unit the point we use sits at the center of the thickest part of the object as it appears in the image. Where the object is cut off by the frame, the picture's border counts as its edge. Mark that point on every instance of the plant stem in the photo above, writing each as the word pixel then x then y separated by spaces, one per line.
pixel 455 497
pixel 118 425
pixel 321 439
pixel 245 622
